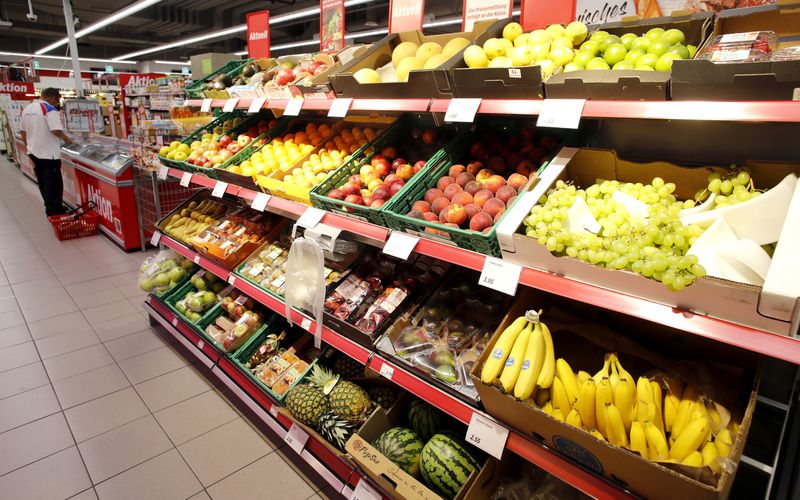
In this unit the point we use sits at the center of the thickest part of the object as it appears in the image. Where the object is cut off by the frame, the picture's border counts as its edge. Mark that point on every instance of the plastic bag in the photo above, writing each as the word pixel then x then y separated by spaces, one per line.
pixel 162 271
pixel 305 282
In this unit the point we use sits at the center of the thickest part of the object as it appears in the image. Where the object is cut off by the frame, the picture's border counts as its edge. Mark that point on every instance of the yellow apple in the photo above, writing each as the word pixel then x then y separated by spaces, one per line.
pixel 403 50
pixel 555 30
pixel 539 36
pixel 561 55
pixel 435 61
pixel 493 48
pixel 561 41
pixel 367 75
pixel 512 31
pixel 577 31
pixel 452 47
pixel 522 40
pixel 541 51
pixel 407 65
pixel 475 57
pixel 547 68
pixel 426 51
pixel 521 56
pixel 500 62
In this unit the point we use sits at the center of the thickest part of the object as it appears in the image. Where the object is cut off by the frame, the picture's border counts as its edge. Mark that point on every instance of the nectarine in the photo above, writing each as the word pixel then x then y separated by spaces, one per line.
pixel 455 170
pixel 439 204
pixel 493 207
pixel 451 191
pixel 444 182
pixel 463 178
pixel 505 193
pixel 481 221
pixel 482 196
pixel 422 206
pixel 432 194
pixel 462 198
pixel 494 183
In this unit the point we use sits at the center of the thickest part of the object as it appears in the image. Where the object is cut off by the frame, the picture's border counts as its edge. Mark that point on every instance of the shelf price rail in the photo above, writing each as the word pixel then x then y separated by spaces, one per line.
pixel 535 453
pixel 777 346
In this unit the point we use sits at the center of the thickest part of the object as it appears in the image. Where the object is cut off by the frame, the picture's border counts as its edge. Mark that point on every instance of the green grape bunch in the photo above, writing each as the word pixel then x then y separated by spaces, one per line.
pixel 732 187
pixel 654 247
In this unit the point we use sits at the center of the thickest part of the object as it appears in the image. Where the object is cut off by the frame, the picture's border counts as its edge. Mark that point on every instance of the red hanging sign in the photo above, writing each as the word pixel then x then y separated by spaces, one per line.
pixel 480 10
pixel 405 15
pixel 258 34
pixel 535 14
pixel 331 25
pixel 15 87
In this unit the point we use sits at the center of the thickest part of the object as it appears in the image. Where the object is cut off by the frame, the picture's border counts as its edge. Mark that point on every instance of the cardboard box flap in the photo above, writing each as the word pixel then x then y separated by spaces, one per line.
pixel 781 290
pixel 693 25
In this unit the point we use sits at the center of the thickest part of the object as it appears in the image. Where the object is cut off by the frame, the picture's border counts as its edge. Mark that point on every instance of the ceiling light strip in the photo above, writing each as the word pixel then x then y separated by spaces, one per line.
pixel 23 55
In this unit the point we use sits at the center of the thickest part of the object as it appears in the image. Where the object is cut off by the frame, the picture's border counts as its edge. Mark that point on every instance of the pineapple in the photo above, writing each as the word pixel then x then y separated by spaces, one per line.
pixel 333 428
pixel 307 403
pixel 383 395
pixel 348 400
pixel 348 367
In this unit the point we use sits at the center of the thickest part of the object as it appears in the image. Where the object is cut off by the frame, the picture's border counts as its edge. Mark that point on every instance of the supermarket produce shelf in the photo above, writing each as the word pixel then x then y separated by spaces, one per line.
pixel 733 111
pixel 341 475
pixel 770 344
pixel 535 453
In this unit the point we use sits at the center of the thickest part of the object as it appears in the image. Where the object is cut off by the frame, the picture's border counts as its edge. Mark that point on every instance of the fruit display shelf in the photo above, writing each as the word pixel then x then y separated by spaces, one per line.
pixel 535 453
pixel 731 111
pixel 776 346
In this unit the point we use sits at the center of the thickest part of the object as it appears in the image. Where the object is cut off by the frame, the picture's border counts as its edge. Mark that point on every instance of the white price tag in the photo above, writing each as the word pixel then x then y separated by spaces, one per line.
pixel 186 179
pixel 159 140
pixel 149 299
pixel 200 344
pixel 256 105
pixel 219 189
pixel 163 172
pixel 387 370
pixel 205 107
pixel 514 73
pixel 340 107
pixel 561 113
pixel 175 321
pixel 487 435
pixel 500 275
pixel 155 238
pixel 293 107
pixel 400 245
pixel 462 110
pixel 274 410
pixel 296 438
pixel 739 37
pixel 364 491
pixel 310 218
pixel 260 202
pixel 232 280
pixel 230 105
pixel 306 324
pixel 196 259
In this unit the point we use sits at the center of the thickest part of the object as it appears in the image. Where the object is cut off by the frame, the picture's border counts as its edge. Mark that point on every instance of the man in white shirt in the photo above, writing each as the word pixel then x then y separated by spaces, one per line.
pixel 42 134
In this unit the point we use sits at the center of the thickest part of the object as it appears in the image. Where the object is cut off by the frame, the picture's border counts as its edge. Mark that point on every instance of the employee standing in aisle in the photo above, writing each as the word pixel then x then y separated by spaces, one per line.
pixel 42 134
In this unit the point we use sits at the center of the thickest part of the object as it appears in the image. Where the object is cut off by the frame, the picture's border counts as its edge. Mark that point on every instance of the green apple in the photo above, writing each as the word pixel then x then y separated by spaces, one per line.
pixel 609 41
pixel 539 36
pixel 161 280
pixel 561 55
pixel 658 48
pixel 674 36
pixel 597 63
pixel 647 60
pixel 494 48
pixel 615 53
pixel 679 49
pixel 572 67
pixel 628 39
pixel 500 62
pixel 591 47
pixel 187 264
pixel 548 67
pixel 634 55
pixel 540 51
pixel 555 30
pixel 692 50
pixel 598 35
pixel 655 34
pixel 577 31
pixel 521 56
pixel 664 62
pixel 643 67
pixel 561 41
pixel 176 274
pixel 623 65
pixel 146 284
pixel 581 58
pixel 642 43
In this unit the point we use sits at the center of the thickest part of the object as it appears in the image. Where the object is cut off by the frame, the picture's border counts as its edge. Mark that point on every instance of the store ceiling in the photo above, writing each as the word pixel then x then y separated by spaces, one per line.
pixel 171 20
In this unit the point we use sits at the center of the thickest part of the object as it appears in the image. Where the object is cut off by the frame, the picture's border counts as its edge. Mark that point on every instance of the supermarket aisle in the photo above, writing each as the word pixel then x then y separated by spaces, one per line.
pixel 93 402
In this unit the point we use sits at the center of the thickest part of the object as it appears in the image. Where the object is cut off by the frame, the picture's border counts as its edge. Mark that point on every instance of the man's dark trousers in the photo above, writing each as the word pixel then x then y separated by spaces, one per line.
pixel 51 185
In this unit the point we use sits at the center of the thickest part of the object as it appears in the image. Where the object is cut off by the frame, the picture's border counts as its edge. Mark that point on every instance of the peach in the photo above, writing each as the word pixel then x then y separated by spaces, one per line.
pixel 494 183
pixel 474 167
pixel 481 221
pixel 473 187
pixel 456 214
pixel 430 217
pixel 439 204
pixel 421 205
pixel 416 214
pixel 377 203
pixel 433 194
pixel 444 182
pixel 505 193
pixel 499 216
pixel 517 181
pixel 443 215
pixel 462 198
pixel 472 209
pixel 526 168
pixel 418 166
pixel 482 196
pixel 455 170
pixel 510 201
pixel 451 191
pixel 493 207
pixel 497 164
pixel 483 175
pixel 464 178
pixel 450 224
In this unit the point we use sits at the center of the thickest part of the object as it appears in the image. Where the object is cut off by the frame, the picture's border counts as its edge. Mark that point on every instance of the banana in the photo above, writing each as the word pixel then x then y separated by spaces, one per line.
pixel 694 459
pixel 582 377
pixel 494 363
pixel 624 399
pixel 541 397
pixel 548 408
pixel 514 360
pixel 567 376
pixel 558 415
pixel 733 427
pixel 690 438
pixel 671 403
pixel 724 442
pixel 574 418
pixel 615 427
pixel 710 454
pixel 639 440
pixel 560 399
pixel 720 416
pixel 658 416
pixel 597 434
pixel 604 371
pixel 549 367
pixel 603 396
pixel 614 377
pixel 625 377
pixel 531 366
pixel 658 449
pixel 586 404
pixel 645 406
pixel 691 395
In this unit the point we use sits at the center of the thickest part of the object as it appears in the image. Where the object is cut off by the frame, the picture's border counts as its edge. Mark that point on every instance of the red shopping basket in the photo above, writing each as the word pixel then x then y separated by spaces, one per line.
pixel 78 223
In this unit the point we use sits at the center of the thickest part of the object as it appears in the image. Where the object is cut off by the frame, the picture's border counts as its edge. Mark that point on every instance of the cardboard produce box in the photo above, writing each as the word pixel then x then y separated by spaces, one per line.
pixel 629 85
pixel 581 336
pixel 319 86
pixel 728 300
pixel 421 83
pixel 767 80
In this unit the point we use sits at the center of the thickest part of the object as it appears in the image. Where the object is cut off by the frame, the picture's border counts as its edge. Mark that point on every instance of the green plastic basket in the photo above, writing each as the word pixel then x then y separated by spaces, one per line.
pixel 212 315
pixel 397 208
pixel 240 273
pixel 174 298
pixel 185 166
pixel 394 135
pixel 231 68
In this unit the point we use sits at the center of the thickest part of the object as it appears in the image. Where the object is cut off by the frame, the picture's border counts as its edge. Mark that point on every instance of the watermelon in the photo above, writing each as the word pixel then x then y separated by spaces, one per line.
pixel 447 463
pixel 424 419
pixel 402 446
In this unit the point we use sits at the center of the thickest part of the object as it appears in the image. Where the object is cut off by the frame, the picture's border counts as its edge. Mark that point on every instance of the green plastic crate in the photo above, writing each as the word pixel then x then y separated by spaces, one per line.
pixel 455 152
pixel 185 166
pixel 212 316
pixel 393 135
pixel 177 296
pixel 231 68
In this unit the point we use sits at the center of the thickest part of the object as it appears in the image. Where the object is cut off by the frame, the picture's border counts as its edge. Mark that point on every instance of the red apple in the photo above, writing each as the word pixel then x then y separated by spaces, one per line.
pixel 390 179
pixel 482 196
pixel 404 172
pixel 517 181
pixel 418 166
pixel 382 193
pixel 430 136
pixel 351 188
pixel 439 204
pixel 481 221
pixel 354 199
pixel 284 77
pixel 243 140
pixel 377 203
pixel 463 178
pixel 456 214
pixel 455 170
pixel 462 198
pixel 233 147
pixel 224 141
pixel 355 179
pixel 397 162
pixel 451 191
pixel 366 170
pixel 472 209
pixel 389 152
pixel 421 205
pixel 494 207
pixel 494 183
pixel 382 170
pixel 365 192
pixel 397 186
pixel 432 194
pixel 378 158
pixel 336 194
pixel 444 182
pixel 366 200
pixel 505 193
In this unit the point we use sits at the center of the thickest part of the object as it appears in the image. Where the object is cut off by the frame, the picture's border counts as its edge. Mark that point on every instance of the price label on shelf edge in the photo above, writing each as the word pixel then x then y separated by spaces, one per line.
pixel 256 105
pixel 310 218
pixel 260 202
pixel 205 107
pixel 400 245
pixel 155 238
pixel 196 259
pixel 488 435
pixel 186 179
pixel 296 438
pixel 500 275
pixel 462 110
pixel 230 105
pixel 232 280
pixel 340 107
pixel 293 107
pixel 306 324
pixel 387 370
pixel 163 172
pixel 363 491
pixel 200 344
pixel 561 113
pixel 175 321
pixel 219 189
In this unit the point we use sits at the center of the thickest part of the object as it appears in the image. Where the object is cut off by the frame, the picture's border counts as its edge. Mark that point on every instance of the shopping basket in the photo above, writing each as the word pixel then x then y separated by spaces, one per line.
pixel 78 223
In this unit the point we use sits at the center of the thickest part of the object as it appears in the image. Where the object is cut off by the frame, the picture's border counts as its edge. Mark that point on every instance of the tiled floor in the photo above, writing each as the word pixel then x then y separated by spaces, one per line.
pixel 96 404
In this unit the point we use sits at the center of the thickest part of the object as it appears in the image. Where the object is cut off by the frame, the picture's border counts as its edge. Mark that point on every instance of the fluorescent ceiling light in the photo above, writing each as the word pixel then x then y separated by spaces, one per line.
pixel 120 14
pixel 179 63
pixel 64 58
pixel 282 18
